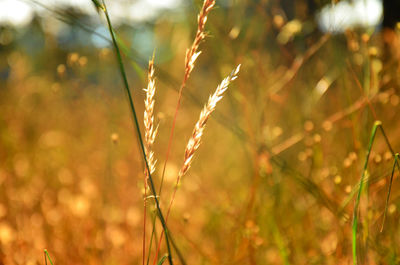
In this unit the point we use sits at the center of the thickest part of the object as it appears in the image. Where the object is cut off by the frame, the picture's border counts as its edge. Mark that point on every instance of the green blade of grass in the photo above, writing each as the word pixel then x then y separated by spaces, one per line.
pixel 47 256
pixel 98 5
pixel 355 189
pixel 161 261
pixel 125 50
pixel 396 162
pixel 153 233
pixel 137 127
pixel 377 124
pixel 365 179
pixel 279 241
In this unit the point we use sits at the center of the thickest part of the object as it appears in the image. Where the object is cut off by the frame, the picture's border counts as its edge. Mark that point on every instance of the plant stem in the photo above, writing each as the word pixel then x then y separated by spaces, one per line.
pixel 137 127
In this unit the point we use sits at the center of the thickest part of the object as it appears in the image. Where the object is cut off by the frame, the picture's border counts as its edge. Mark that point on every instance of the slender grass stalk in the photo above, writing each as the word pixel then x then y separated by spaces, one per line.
pixel 153 236
pixel 195 139
pixel 150 134
pixel 283 251
pixel 163 258
pixel 357 203
pixel 47 256
pixel 396 162
pixel 103 7
pixel 191 55
pixel 173 243
pixel 377 125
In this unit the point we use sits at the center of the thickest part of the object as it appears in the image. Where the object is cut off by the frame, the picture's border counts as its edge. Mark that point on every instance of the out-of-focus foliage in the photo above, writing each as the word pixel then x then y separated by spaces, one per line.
pixel 275 177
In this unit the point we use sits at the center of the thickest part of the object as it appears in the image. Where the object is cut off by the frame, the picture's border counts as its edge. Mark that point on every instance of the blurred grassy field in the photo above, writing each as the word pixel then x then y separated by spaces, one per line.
pixel 275 178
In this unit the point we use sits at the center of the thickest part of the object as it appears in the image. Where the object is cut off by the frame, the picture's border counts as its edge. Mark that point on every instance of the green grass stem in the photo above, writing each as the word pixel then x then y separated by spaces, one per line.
pixel 396 162
pixel 47 256
pixel 103 7
pixel 377 125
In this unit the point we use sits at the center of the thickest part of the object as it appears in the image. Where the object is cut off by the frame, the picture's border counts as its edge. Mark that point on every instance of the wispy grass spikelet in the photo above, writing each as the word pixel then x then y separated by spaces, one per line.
pixel 191 56
pixel 149 136
pixel 195 139
pixel 150 130
pixel 192 53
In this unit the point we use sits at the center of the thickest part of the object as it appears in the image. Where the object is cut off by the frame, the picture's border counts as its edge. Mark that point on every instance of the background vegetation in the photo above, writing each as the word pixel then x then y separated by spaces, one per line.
pixel 276 178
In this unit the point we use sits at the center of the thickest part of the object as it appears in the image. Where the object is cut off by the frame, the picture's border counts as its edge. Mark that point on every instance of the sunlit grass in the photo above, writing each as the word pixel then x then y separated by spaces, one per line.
pixel 288 172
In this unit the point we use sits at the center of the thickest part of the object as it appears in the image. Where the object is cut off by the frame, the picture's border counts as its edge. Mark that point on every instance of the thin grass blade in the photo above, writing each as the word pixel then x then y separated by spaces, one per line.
pixel 377 124
pixel 47 256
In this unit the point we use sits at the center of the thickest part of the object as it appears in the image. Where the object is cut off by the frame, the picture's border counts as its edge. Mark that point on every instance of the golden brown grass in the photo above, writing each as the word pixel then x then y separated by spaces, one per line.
pixel 191 55
pixel 195 139
pixel 150 135
pixel 150 129
pixel 71 189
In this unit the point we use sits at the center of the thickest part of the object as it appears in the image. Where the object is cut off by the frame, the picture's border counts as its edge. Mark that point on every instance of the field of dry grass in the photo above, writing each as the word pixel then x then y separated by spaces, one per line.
pixel 295 161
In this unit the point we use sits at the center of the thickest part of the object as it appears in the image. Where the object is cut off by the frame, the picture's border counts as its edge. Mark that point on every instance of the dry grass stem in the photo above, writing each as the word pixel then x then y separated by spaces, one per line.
pixel 195 139
pixel 191 55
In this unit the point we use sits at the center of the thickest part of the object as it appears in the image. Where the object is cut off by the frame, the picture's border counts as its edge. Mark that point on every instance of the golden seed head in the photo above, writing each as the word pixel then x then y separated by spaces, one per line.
pixel 388 155
pixel 317 138
pixel 302 156
pixel 347 162
pixel 73 58
pixel 195 140
pixel 327 125
pixel 148 119
pixel 394 100
pixel 373 51
pixel 61 69
pixel 277 131
pixel 392 208
pixel 308 126
pixel 383 97
pixel 365 37
pixel 352 156
pixel 337 179
pixel 377 158
pixel 114 138
pixel 234 33
pixel 278 21
pixel 83 61
pixel 353 45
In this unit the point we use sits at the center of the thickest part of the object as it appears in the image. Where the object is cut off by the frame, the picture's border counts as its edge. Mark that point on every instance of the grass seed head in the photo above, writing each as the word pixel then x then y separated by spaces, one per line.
pixel 195 139
pixel 150 130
